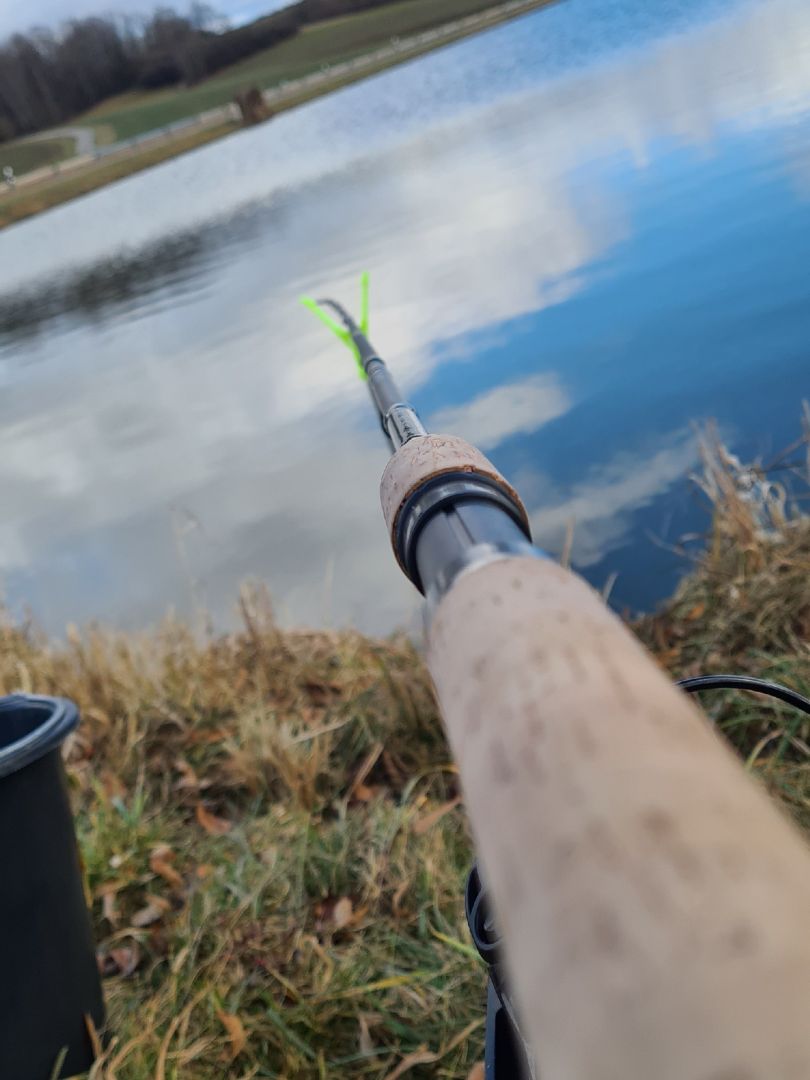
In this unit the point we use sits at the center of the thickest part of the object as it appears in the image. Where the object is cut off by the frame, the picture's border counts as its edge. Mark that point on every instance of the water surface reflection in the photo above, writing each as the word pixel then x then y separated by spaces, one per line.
pixel 579 243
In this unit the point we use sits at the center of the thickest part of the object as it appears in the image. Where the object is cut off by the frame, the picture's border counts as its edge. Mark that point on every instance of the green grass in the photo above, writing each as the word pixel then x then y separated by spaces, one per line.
pixel 322 44
pixel 26 155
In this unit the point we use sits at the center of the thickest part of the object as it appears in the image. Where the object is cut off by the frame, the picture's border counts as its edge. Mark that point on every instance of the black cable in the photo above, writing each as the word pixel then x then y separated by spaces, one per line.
pixel 745 682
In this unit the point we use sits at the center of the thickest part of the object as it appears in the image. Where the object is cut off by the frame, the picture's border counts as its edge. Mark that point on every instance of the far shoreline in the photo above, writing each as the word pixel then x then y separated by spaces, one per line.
pixel 31 197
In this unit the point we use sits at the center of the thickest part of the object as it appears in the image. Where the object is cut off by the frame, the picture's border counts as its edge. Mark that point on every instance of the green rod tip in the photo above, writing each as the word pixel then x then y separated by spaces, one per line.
pixel 340 332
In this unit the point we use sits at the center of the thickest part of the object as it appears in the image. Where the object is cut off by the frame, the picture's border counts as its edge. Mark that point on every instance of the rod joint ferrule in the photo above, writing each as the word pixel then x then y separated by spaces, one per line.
pixel 401 423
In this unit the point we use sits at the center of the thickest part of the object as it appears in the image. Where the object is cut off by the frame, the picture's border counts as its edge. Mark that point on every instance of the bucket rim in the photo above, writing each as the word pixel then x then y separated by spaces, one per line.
pixel 62 718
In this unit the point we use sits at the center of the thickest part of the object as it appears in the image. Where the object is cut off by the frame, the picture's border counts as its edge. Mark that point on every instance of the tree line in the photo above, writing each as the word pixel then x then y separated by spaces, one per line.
pixel 47 77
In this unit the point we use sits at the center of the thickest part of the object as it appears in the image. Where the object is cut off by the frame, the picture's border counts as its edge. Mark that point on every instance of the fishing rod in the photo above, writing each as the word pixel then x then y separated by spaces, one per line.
pixel 399 419
pixel 446 514
pixel 641 903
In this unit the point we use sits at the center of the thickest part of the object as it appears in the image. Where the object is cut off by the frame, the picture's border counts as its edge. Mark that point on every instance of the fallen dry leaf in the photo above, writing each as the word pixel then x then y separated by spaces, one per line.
pixel 188 777
pixel 342 912
pixel 160 862
pixel 213 825
pixel 337 913
pixel 204 870
pixel 156 907
pixel 206 737
pixel 236 1032
pixel 422 1056
pixel 363 793
pixel 476 1072
pixel 364 1042
pixel 321 692
pixel 114 886
pixel 666 658
pixel 427 821
pixel 109 908
pixel 696 612
pixel 123 961
pixel 367 765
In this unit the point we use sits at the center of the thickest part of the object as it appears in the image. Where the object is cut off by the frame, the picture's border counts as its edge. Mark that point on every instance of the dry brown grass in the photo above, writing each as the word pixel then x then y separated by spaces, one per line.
pixel 746 609
pixel 252 814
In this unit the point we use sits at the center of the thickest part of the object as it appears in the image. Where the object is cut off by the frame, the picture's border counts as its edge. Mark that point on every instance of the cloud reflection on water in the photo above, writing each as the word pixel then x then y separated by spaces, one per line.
pixel 196 389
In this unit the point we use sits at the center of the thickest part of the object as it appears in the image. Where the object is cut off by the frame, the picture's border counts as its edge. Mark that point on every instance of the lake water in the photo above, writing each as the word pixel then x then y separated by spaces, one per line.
pixel 586 229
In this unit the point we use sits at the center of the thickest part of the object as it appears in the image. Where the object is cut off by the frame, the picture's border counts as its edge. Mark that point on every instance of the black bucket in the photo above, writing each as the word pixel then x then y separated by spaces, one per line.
pixel 49 979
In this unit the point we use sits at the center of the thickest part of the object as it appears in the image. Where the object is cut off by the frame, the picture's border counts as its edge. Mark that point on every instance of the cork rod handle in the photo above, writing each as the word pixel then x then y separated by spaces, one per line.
pixel 654 904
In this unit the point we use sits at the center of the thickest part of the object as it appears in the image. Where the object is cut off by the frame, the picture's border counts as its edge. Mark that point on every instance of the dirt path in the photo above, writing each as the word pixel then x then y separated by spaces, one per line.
pixel 84 138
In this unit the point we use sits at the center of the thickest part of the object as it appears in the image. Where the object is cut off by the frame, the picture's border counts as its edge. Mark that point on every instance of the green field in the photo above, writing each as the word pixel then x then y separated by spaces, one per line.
pixel 26 155
pixel 322 44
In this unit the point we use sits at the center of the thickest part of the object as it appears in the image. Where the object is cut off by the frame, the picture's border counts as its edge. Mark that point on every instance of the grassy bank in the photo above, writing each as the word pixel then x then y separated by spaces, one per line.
pixel 258 819
pixel 270 827
pixel 746 609
pixel 27 201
